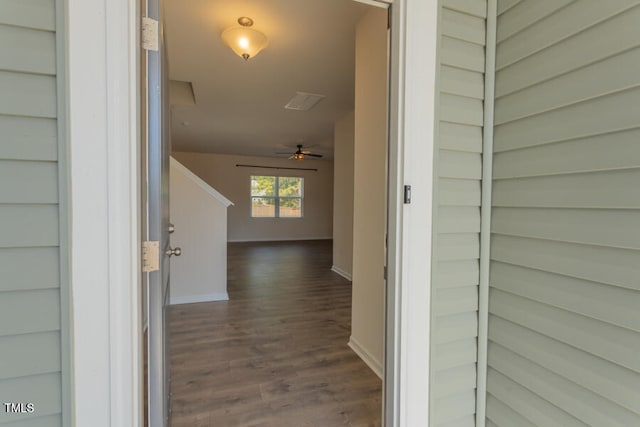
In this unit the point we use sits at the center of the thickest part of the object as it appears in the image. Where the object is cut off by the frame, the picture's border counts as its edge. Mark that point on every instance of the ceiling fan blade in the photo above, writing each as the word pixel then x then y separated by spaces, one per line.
pixel 293 156
pixel 313 155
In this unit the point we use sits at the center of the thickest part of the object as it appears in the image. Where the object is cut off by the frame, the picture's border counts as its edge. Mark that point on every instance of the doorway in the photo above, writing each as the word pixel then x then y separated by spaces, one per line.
pixel 371 353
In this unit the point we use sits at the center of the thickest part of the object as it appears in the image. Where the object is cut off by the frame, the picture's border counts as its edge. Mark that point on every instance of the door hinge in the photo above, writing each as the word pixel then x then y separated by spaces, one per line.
pixel 385 272
pixel 149 34
pixel 150 256
pixel 389 17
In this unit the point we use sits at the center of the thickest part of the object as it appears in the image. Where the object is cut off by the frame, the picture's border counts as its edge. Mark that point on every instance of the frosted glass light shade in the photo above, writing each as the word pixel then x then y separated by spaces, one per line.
pixel 244 41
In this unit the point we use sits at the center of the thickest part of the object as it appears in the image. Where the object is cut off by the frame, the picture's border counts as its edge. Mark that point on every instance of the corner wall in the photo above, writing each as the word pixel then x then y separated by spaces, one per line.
pixel 370 185
pixel 343 162
pixel 457 193
pixel 220 172
pixel 199 214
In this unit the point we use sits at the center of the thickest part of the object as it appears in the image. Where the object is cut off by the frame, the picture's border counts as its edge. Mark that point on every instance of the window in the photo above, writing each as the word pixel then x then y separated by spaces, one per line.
pixel 276 196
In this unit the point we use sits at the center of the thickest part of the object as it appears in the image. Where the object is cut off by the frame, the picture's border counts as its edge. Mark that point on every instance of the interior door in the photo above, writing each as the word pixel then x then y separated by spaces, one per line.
pixel 157 220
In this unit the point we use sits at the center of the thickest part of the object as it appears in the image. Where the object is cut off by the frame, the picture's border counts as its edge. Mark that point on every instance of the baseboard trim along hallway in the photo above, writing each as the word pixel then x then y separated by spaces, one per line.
pixel 375 365
pixel 190 299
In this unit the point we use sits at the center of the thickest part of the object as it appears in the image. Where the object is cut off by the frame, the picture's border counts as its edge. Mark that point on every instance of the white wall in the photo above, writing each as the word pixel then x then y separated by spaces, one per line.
pixel 199 214
pixel 343 195
pixel 367 323
pixel 220 172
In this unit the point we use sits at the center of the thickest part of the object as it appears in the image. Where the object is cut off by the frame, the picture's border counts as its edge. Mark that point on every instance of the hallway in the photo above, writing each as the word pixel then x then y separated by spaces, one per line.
pixel 276 353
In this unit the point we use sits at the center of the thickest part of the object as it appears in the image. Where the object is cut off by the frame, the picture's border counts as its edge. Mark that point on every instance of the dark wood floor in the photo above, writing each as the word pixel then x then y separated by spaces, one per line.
pixel 276 353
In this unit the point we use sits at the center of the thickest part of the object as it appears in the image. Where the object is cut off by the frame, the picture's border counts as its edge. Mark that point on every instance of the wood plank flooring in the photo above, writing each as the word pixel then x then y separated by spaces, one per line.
pixel 276 353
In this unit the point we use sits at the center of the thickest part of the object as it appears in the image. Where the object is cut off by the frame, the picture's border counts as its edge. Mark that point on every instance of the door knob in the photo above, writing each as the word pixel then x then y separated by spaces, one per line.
pixel 172 228
pixel 176 251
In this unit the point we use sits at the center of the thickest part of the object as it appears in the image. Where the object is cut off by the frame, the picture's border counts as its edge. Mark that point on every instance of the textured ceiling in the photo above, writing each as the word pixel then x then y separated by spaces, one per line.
pixel 239 105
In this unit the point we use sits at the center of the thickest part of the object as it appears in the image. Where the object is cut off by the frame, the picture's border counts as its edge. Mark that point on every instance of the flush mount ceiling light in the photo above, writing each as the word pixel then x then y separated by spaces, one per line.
pixel 244 40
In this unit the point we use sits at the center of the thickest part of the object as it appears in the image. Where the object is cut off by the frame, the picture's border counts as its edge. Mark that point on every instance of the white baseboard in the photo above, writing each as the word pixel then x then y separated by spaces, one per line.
pixel 278 239
pixel 189 299
pixel 366 357
pixel 341 272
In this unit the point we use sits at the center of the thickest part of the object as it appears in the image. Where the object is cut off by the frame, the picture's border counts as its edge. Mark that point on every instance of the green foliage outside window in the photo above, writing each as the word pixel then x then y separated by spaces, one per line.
pixel 276 196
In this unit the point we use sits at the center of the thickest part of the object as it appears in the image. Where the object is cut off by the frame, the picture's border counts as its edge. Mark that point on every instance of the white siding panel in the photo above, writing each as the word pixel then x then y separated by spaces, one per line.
pixel 619 150
pixel 583 190
pixel 27 95
pixel 456 407
pixel 456 380
pixel 29 268
pixel 459 192
pixel 609 342
pixel 460 109
pixel 603 227
pixel 581 403
pixel 31 225
pixel 43 354
pixel 611 381
pixel 502 415
pixel 560 25
pixel 459 219
pixel 458 164
pixel 456 300
pixel 28 182
pixel 535 409
pixel 456 81
pixel 42 390
pixel 615 112
pixel 456 136
pixel 612 266
pixel 463 26
pixel 618 306
pixel 27 138
pixel 29 311
pixel 472 7
pixel 27 50
pixel 40 14
pixel 457 273
pixel 608 38
pixel 577 86
pixel 461 54
pixel 525 14
pixel 453 354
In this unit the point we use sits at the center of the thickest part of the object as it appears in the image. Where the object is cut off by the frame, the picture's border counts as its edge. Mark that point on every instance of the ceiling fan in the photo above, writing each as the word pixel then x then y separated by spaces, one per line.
pixel 300 155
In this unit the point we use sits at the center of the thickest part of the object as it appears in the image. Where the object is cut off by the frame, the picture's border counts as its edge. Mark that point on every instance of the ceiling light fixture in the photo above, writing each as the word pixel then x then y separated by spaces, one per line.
pixel 243 40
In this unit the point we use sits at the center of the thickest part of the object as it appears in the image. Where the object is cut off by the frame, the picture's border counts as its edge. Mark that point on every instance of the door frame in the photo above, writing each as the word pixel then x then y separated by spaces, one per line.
pixel 103 110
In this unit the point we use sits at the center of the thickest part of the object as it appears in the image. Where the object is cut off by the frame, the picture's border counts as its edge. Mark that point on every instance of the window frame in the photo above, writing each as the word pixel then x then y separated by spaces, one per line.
pixel 276 197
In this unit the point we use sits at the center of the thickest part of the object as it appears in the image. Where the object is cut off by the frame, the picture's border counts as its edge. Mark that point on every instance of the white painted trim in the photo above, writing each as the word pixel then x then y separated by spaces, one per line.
pixel 190 299
pixel 278 239
pixel 485 214
pixel 341 272
pixel 102 122
pixel 376 3
pixel 199 182
pixel 413 120
pixel 366 356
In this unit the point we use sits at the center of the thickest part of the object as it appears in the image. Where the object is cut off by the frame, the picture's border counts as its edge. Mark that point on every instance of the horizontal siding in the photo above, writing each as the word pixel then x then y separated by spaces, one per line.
pixel 28 182
pixel 564 324
pixel 28 138
pixel 37 14
pixel 29 268
pixel 43 355
pixel 562 24
pixel 457 221
pixel 27 50
pixel 41 390
pixel 31 349
pixel 23 312
pixel 28 95
pixel 31 225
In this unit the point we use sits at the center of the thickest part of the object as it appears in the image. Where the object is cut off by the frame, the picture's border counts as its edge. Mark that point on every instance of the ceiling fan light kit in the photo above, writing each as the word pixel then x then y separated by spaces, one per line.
pixel 300 155
pixel 244 40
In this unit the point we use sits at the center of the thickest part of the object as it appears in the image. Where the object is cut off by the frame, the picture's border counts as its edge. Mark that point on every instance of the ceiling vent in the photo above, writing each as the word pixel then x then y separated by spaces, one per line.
pixel 303 101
